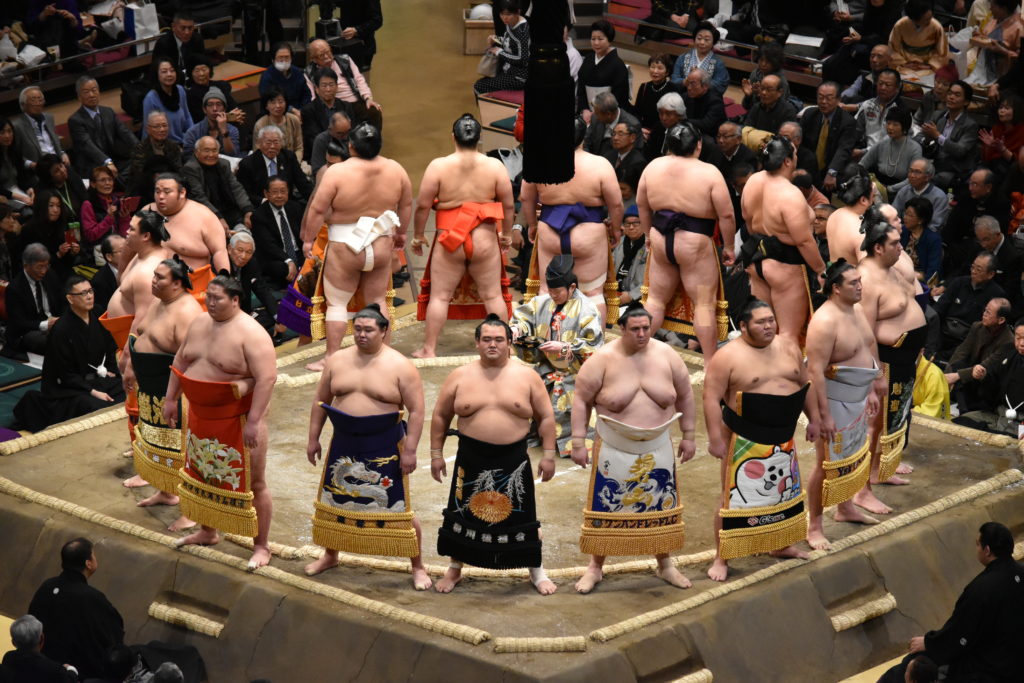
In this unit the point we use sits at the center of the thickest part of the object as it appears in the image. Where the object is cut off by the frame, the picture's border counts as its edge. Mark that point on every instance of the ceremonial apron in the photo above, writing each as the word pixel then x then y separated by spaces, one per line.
pixel 899 363
pixel 157 448
pixel 848 464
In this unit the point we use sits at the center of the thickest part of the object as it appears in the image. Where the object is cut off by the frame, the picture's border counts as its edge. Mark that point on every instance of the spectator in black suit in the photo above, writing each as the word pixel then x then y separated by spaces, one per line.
pixel 1009 264
pixel 979 200
pixel 360 20
pixel 275 230
pixel 830 133
pixel 771 110
pixel 805 158
pixel 316 115
pixel 34 302
pixel 629 163
pixel 98 137
pixel 964 299
pixel 953 136
pixel 337 132
pixel 178 44
pixel 212 184
pixel 704 105
pixel 272 159
pixel 104 282
pixel 26 662
pixel 241 249
pixel 607 114
pixel 730 142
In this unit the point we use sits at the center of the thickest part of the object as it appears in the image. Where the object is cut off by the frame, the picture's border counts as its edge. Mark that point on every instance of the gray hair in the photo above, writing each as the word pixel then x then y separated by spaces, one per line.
pixel 242 236
pixel 168 672
pixel 155 112
pixel 987 223
pixel 929 167
pixel 23 95
pixel 34 253
pixel 704 76
pixel 798 131
pixel 338 116
pixel 26 632
pixel 672 101
pixel 268 129
pixel 82 81
pixel 605 102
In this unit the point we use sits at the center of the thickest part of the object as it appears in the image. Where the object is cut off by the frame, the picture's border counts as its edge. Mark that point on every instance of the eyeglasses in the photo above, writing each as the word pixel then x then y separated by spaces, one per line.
pixel 84 292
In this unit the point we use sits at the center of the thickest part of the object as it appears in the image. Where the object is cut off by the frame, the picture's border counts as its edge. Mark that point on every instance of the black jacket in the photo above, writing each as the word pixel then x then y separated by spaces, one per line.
pixel 97 139
pixel 842 136
pixel 252 174
pixel 104 284
pixel 167 47
pixel 33 667
pixel 22 314
pixel 707 112
pixel 270 250
pixel 316 117
pixel 366 18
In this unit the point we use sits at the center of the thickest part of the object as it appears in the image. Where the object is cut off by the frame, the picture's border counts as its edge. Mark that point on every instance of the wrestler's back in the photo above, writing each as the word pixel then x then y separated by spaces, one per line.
pixel 363 187
pixel 752 202
pixel 190 230
pixel 844 237
pixel 493 404
pixel 467 177
pixel 164 327
pixel 681 184
pixel 637 389
pixel 774 370
pixel 365 386
pixel 785 199
pixel 585 186
pixel 215 352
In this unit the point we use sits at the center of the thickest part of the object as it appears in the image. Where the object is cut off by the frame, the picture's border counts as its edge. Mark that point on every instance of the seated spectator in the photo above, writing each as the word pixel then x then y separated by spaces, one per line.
pixel 170 98
pixel 627 160
pixel 80 373
pixel 871 113
pixel 990 237
pixel 55 23
pixel 769 62
pixel 51 227
pixel 15 177
pixel 1014 181
pixel 98 137
pixel 830 133
pixel 607 114
pixel 275 232
pixel 681 15
pixel 651 91
pixel 118 666
pixel 963 300
pixel 805 158
pixel 819 224
pixel 316 115
pixel 919 184
pixel 805 183
pixel 918 40
pixel 770 110
pixel 336 134
pixel 730 142
pixel 214 125
pixel 26 662
pixel 104 282
pixel 179 44
pixel 80 624
pixel 702 56
pixel 10 243
pixel 952 136
pixel 999 38
pixel 889 159
pixel 285 77
pixel 55 174
pixel 1001 145
pixel 602 70
pixel 35 134
pixel 923 246
pixel 987 343
pixel 863 87
pixel 212 184
pixel 241 248
pixel 271 159
pixel 979 200
pixel 200 69
pixel 512 49
pixel 352 88
pixel 630 256
pixel 934 100
pixel 844 16
pixel 102 214
pixel 671 111
pixel 277 115
pixel 704 106
pixel 34 302
pixel 156 142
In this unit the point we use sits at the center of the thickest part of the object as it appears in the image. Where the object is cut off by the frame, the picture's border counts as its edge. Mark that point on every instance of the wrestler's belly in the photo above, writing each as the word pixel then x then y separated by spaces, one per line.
pixel 156 343
pixel 856 358
pixel 358 403
pixel 643 408
pixel 889 331
pixel 117 307
pixel 192 252
pixel 210 371
pixel 494 425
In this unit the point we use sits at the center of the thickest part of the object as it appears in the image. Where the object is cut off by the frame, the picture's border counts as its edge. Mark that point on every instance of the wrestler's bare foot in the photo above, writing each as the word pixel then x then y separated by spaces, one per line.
pixel 158 498
pixel 423 352
pixel 591 577
pixel 790 551
pixel 201 537
pixel 545 586
pixel 816 539
pixel 420 579
pixel 326 561
pixel 848 512
pixel 260 557
pixel 451 578
pixel 904 468
pixel 317 365
pixel 867 500
pixel 891 481
pixel 181 523
pixel 134 482
pixel 672 576
pixel 719 570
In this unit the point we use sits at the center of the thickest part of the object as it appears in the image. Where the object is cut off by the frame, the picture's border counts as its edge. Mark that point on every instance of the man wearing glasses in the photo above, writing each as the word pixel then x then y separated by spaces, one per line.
pixel 730 141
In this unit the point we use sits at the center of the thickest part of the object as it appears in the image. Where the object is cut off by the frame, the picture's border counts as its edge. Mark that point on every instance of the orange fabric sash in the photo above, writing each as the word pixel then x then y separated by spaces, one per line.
pixel 119 328
pixel 201 278
pixel 455 225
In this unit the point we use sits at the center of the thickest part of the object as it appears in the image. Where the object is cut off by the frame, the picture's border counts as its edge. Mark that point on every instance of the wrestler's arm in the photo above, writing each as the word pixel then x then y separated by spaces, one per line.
pixel 317 415
pixel 429 187
pixel 716 382
pixel 612 194
pixel 588 382
pixel 317 208
pixel 410 386
pixel 881 386
pixel 262 362
pixel 444 411
pixel 127 251
pixel 722 202
pixel 685 404
pixel 544 416
pixel 528 197
pixel 643 204
pixel 217 244
pixel 820 343
pixel 810 399
pixel 173 383
pixel 503 193
pixel 404 208
pixel 797 219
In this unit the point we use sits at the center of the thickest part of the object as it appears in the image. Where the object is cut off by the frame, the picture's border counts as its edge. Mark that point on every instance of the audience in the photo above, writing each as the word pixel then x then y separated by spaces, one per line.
pixel 830 133
pixel 630 257
pixel 155 142
pixel 602 70
pixel 34 302
pixel 512 50
pixel 179 44
pixel 50 226
pixel 770 110
pixel 275 231
pixel 651 91
pixel 276 106
pixel 923 246
pixel 964 298
pixel 241 249
pixel 212 184
pixel 316 115
pixel 769 62
pixel 270 159
pixel 104 282
pixel 990 238
pixel 214 125
pixel 200 69
pixel 15 176
pixel 285 77
pixel 806 160
pixel 870 115
pixel 628 161
pixel 999 38
pixel 168 96
pixel 27 663
pixel 864 86
pixel 703 57
pixel 919 184
pixel 351 88
pixel 607 114
pixel 336 134
pixel 704 106
pixel 1001 144
pixel 671 111
pixel 951 138
pixel 979 200
pixel 98 136
pixel 10 243
pixel 889 159
pixel 934 100
pixel 102 212
pixel 730 142
pixel 918 40
pixel 987 343
pixel 35 131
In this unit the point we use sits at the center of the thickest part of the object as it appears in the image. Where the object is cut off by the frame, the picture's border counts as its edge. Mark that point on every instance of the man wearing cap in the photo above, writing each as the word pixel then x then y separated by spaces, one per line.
pixel 630 256
pixel 556 332
pixel 214 125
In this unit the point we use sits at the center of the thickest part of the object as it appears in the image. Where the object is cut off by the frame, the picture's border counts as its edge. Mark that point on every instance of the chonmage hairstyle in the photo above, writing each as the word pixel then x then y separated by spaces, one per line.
pixel 997 538
pixel 875 227
pixel 854 184
pixel 365 140
pixel 633 310
pixel 493 320
pixel 775 152
pixel 682 139
pixel 466 130
pixel 834 275
pixel 372 311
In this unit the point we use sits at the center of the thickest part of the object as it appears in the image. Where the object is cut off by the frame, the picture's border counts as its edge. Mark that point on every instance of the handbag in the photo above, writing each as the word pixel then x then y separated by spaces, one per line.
pixel 488 65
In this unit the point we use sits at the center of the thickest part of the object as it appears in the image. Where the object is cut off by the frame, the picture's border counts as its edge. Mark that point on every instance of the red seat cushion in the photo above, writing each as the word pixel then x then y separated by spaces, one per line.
pixel 513 96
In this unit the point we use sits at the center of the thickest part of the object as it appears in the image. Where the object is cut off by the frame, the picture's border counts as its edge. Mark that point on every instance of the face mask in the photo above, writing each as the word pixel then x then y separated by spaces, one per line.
pixel 282 66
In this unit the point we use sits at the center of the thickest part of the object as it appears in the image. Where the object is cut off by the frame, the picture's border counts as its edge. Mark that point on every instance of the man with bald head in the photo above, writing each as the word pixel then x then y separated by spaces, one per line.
pixel 805 159
pixel 863 87
pixel 156 142
pixel 730 142
pixel 704 105
pixel 771 109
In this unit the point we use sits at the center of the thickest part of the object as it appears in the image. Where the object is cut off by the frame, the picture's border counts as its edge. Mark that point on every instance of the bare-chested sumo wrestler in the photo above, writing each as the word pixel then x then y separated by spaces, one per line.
pixel 148 239
pixel 857 191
